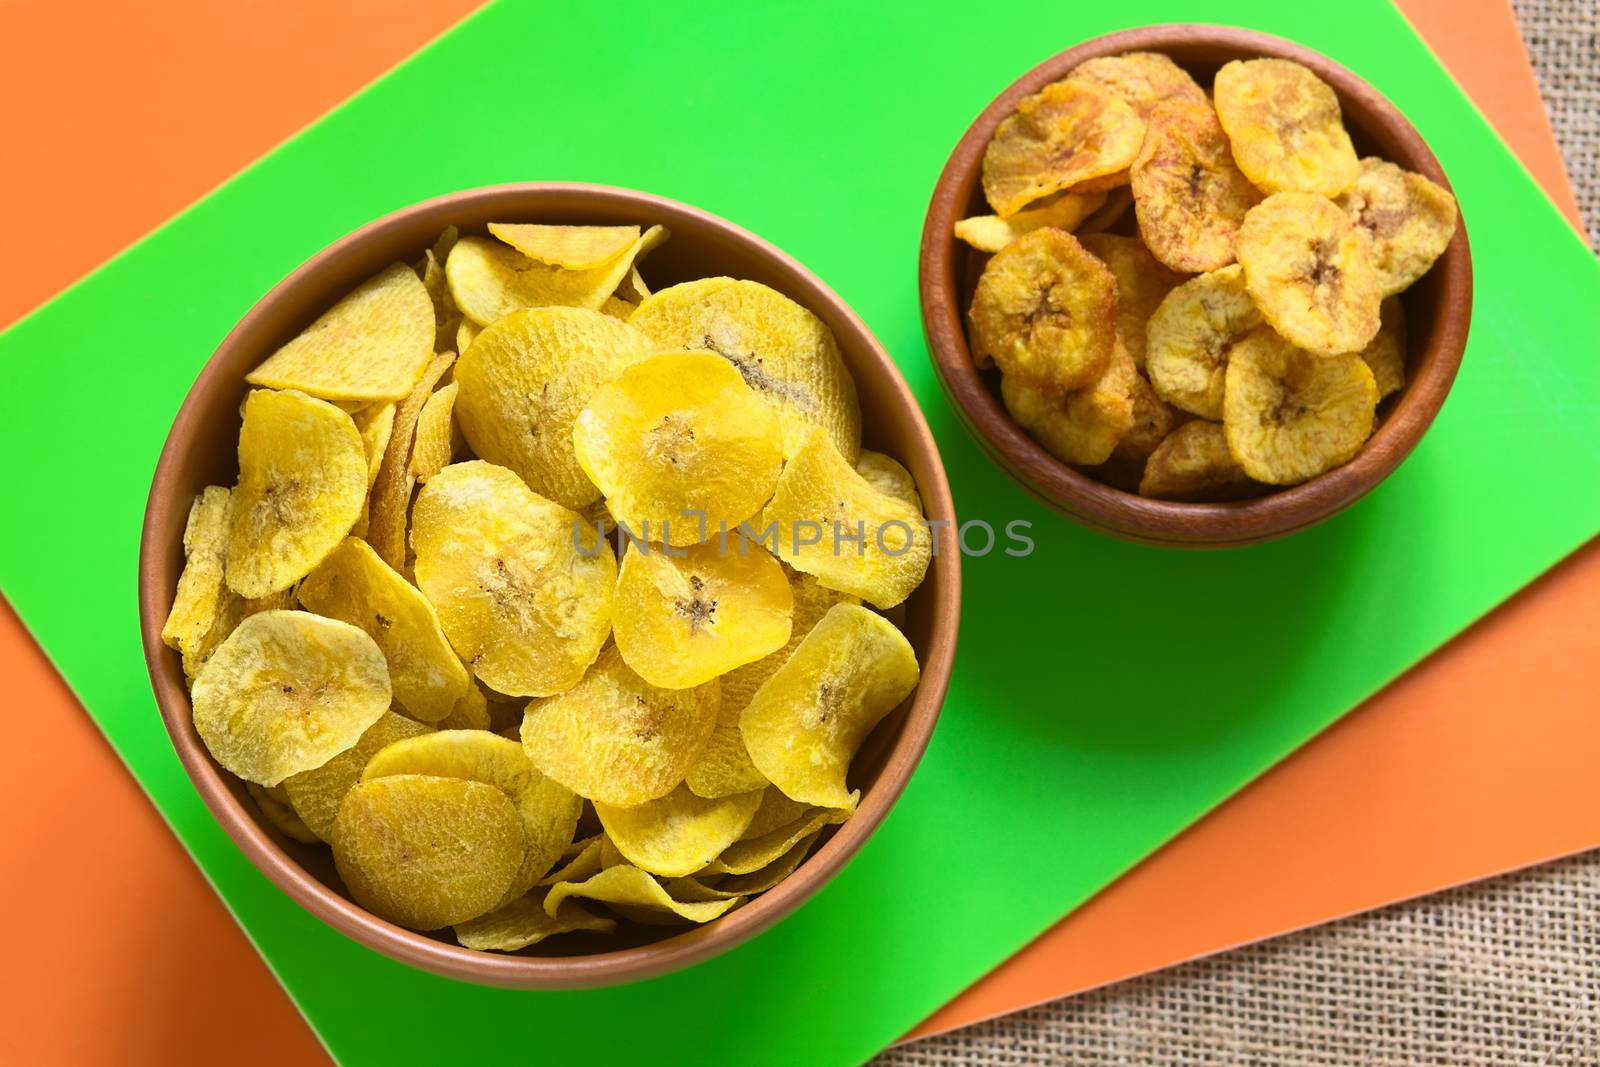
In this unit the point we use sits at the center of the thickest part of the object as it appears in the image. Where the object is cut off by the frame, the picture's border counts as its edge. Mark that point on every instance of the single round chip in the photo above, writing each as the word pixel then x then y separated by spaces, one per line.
pixel 1308 272
pixel 315 794
pixel 1142 283
pixel 683 618
pixel 1063 211
pixel 1081 427
pixel 1064 136
pixel 1188 193
pixel 1143 80
pixel 369 346
pixel 679 833
pixel 680 446
pixel 627 888
pixel 1385 356
pixel 1290 415
pixel 1285 127
pixel 426 852
pixel 1046 309
pixel 355 586
pixel 201 590
pixel 783 352
pixel 804 724
pixel 489 280
pixel 1406 220
pixel 724 767
pixel 1190 335
pixel 434 440
pixel 572 247
pixel 826 519
pixel 302 486
pixel 887 475
pixel 286 692
pixel 1193 463
pixel 523 382
pixel 274 805
pixel 615 738
pixel 523 592
pixel 548 810
pixel 524 922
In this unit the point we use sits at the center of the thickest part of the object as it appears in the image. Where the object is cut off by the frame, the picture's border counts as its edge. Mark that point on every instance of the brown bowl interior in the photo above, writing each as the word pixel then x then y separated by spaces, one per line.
pixel 1438 311
pixel 200 451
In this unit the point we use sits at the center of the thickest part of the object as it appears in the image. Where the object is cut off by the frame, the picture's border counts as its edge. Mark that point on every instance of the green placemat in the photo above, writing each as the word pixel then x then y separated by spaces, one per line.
pixel 1105 696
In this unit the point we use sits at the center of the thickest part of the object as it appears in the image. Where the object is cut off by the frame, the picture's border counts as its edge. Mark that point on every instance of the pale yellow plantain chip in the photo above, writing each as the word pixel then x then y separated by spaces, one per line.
pixel 1153 420
pixel 1188 193
pixel 523 382
pixel 679 833
pixel 1406 220
pixel 286 692
pixel 826 519
pixel 471 712
pixel 523 600
pixel 434 440
pixel 681 619
pixel 466 333
pixel 1046 309
pixel 1308 272
pixel 756 852
pixel 524 922
pixel 1385 356
pixel 232 609
pixel 1064 211
pixel 776 813
pixel 615 739
pixel 785 354
pixel 724 767
pixel 302 485
pixel 490 280
pixel 1142 80
pixel 274 805
pixel 548 810
pixel 391 493
pixel 1290 415
pixel 1065 135
pixel 572 247
pixel 582 864
pixel 375 423
pixel 355 586
pixel 1285 127
pixel 804 724
pixel 1190 335
pixel 633 288
pixel 887 475
pixel 1142 283
pixel 680 446
pixel 1081 427
pixel 1194 463
pixel 315 794
pixel 369 346
pixel 745 885
pixel 426 852
pixel 626 887
pixel 201 589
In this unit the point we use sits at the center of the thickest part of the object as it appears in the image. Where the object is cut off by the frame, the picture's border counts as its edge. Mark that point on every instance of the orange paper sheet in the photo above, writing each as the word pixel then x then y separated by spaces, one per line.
pixel 1470 765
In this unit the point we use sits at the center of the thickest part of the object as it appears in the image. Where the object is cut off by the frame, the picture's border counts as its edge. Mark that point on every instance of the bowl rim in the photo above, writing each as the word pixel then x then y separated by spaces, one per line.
pixel 1126 515
pixel 552 972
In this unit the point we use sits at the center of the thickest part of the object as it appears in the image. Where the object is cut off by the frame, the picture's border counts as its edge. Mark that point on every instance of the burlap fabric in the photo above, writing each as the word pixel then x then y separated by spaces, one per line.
pixel 1503 973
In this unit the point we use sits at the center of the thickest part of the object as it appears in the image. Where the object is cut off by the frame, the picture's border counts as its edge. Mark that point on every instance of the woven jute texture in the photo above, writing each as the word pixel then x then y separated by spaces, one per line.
pixel 1506 972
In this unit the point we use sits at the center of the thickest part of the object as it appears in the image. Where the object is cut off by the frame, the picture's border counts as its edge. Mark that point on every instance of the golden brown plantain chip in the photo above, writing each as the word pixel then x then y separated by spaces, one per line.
pixel 1193 463
pixel 1142 283
pixel 1081 427
pixel 1063 211
pixel 1143 80
pixel 1190 335
pixel 1066 136
pixel 1307 271
pixel 1406 220
pixel 1188 193
pixel 1290 415
pixel 1285 127
pixel 1386 354
pixel 1046 309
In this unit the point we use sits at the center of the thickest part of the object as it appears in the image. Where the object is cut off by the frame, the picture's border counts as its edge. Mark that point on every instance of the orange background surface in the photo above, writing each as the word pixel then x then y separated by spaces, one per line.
pixel 1479 760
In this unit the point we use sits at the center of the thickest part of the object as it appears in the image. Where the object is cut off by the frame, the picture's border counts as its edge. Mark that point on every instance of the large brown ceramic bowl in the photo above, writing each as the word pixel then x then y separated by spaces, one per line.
pixel 200 451
pixel 1438 311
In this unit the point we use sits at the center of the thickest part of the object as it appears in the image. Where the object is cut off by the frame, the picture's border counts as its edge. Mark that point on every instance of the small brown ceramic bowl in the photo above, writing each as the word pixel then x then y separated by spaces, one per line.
pixel 1438 311
pixel 200 452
